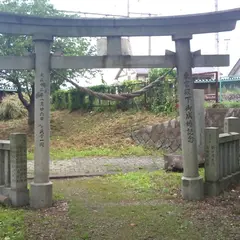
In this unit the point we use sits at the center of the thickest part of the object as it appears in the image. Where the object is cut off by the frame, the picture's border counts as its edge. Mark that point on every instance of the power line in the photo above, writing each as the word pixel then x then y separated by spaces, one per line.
pixel 217 34
pixel 111 15
pixel 93 13
pixel 147 14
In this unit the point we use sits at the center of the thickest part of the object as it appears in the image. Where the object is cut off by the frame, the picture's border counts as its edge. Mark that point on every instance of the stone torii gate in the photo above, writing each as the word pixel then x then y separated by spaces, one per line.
pixel 181 28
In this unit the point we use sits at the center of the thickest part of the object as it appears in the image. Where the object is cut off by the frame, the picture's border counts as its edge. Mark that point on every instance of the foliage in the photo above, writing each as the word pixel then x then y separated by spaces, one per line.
pixel 79 134
pixel 224 104
pixel 160 99
pixel 231 104
pixel 165 93
pixel 60 99
pixel 20 45
pixel 157 72
pixel 11 224
pixel 59 154
pixel 74 99
pixel 80 100
pixel 11 108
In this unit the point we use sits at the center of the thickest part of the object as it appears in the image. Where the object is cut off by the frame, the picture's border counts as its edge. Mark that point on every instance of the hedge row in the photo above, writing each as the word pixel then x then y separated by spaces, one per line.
pixel 157 99
pixel 74 99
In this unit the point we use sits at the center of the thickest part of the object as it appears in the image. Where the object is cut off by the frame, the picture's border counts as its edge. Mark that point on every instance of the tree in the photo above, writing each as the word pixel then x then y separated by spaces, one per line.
pixel 158 72
pixel 165 94
pixel 21 45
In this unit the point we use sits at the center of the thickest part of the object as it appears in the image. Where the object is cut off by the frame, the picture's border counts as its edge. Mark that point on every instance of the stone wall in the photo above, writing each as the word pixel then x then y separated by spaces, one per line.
pixel 162 136
pixel 214 117
pixel 167 135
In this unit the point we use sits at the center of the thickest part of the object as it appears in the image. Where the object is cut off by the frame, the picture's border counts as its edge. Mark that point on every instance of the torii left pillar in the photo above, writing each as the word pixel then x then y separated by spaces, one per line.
pixel 41 187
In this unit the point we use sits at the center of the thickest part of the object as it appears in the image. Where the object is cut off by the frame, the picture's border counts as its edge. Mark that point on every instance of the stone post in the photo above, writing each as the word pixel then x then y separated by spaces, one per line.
pixel 192 183
pixel 232 124
pixel 212 161
pixel 1 170
pixel 200 121
pixel 41 187
pixel 18 161
pixel 7 167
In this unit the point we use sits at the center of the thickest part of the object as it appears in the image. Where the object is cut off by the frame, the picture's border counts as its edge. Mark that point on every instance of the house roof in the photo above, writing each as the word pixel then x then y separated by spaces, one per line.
pixel 142 71
pixel 197 70
pixel 7 89
pixel 235 68
pixel 145 71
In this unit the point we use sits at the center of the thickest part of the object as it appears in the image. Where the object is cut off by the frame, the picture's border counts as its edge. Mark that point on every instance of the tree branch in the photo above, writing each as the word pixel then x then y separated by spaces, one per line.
pixel 33 93
pixel 21 97
pixel 28 92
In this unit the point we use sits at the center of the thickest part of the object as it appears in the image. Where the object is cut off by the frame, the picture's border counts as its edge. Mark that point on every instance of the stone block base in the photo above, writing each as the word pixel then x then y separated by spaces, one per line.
pixel 212 188
pixel 41 195
pixel 5 200
pixel 192 188
pixel 225 182
pixel 236 177
pixel 174 162
pixel 19 198
pixel 7 191
pixel 1 189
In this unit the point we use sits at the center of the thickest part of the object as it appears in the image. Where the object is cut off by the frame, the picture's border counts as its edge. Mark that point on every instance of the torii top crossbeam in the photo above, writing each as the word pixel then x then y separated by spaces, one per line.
pixel 99 27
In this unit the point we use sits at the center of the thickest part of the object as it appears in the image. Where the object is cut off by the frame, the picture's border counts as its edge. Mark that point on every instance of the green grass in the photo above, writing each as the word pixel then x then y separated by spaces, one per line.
pixel 231 104
pixel 80 134
pixel 135 205
pixel 140 205
pixel 224 104
pixel 11 224
pixel 60 154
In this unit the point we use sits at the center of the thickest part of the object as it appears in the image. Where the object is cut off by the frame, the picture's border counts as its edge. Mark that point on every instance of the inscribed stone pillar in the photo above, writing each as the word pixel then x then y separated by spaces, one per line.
pixel 199 121
pixel 1 170
pixel 7 171
pixel 212 161
pixel 41 188
pixel 18 161
pixel 192 183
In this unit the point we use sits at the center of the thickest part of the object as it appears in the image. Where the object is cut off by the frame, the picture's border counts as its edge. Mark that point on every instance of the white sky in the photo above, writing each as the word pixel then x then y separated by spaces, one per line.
pixel 205 42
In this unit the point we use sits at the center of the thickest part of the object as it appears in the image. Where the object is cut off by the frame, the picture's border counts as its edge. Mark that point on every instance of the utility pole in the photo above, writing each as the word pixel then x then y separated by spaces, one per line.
pixel 217 34
pixel 149 42
pixel 128 15
pixel 217 40
pixel 227 43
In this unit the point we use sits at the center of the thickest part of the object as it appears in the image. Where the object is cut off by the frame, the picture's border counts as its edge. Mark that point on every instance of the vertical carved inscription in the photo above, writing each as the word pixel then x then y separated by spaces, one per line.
pixel 188 110
pixel 18 156
pixel 41 115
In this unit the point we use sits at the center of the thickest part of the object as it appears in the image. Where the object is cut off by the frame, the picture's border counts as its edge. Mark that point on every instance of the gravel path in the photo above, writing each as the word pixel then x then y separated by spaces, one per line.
pixel 99 166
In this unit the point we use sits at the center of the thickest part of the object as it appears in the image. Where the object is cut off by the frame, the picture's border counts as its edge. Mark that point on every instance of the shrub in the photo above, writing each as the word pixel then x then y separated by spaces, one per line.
pixel 60 100
pixel 76 100
pixel 11 108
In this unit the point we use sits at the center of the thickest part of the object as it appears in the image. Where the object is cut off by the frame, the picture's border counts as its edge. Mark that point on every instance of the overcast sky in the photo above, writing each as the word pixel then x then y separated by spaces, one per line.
pixel 205 42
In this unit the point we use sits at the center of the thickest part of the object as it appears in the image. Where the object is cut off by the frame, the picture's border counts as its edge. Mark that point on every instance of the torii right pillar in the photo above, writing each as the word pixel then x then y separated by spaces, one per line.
pixel 192 183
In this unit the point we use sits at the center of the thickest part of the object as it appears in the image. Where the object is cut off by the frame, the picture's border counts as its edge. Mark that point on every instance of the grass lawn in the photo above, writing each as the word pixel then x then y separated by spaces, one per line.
pixel 141 205
pixel 83 134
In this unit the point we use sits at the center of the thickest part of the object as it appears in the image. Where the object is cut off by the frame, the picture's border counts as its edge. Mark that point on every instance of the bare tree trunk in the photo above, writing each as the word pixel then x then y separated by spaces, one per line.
pixel 28 105
pixel 30 113
pixel 31 108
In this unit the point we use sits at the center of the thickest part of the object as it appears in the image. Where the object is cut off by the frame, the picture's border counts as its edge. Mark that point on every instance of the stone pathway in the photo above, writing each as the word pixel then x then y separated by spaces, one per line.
pixel 99 166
